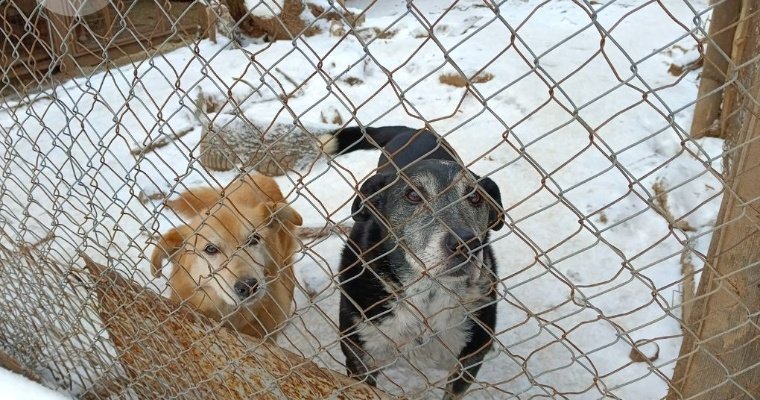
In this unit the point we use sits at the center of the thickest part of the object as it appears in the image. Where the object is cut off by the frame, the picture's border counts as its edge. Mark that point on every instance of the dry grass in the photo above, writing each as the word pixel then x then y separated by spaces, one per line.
pixel 376 33
pixel 661 207
pixel 305 232
pixel 11 364
pixel 154 331
pixel 687 267
pixel 678 70
pixel 385 34
pixel 457 80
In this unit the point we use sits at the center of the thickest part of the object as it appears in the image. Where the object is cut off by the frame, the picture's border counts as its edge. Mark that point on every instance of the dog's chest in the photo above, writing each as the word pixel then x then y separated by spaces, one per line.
pixel 428 325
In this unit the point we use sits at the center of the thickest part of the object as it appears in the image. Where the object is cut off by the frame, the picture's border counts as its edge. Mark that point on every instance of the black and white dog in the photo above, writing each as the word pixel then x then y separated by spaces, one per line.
pixel 418 275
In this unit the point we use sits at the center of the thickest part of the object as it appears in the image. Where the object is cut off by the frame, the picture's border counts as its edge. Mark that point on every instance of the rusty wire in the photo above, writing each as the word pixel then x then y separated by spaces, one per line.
pixel 91 158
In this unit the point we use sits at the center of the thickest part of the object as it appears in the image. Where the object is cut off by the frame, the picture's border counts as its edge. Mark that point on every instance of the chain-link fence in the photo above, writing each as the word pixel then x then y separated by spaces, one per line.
pixel 138 136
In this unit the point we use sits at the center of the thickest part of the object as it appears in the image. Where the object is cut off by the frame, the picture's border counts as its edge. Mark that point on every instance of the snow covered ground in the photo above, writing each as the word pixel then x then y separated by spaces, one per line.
pixel 17 387
pixel 579 123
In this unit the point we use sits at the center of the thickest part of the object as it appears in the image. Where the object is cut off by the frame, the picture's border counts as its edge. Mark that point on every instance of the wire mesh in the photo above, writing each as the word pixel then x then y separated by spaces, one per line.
pixel 129 129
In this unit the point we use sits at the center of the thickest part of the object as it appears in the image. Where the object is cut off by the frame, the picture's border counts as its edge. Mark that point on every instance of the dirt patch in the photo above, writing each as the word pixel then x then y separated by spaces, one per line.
pixel 644 350
pixel 457 80
pixel 353 81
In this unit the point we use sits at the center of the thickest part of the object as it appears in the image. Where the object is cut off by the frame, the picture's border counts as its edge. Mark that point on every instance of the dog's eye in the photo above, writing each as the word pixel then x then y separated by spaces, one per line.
pixel 210 249
pixel 253 240
pixel 413 196
pixel 475 198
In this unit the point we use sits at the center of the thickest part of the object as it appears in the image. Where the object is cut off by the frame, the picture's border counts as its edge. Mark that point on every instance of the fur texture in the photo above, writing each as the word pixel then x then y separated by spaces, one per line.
pixel 418 275
pixel 232 260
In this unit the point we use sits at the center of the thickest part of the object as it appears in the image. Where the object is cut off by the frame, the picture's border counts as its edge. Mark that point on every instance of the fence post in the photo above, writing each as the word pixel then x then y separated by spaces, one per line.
pixel 716 65
pixel 720 354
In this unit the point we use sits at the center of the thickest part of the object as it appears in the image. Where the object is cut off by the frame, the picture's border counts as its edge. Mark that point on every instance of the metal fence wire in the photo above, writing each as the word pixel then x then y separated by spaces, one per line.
pixel 122 122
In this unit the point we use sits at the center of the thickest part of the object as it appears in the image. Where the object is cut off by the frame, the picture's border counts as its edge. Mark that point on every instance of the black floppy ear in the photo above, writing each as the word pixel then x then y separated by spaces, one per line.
pixel 496 210
pixel 369 193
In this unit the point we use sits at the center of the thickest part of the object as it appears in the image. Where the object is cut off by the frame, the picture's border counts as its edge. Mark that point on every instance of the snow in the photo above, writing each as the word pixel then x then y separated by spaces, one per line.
pixel 17 387
pixel 589 133
pixel 264 8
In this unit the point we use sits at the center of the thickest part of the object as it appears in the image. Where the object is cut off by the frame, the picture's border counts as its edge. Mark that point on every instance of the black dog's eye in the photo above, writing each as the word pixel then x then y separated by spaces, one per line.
pixel 210 249
pixel 253 240
pixel 413 196
pixel 475 198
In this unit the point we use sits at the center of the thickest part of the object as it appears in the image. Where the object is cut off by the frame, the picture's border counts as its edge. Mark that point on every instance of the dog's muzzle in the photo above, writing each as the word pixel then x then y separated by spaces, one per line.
pixel 462 242
pixel 246 288
pixel 464 252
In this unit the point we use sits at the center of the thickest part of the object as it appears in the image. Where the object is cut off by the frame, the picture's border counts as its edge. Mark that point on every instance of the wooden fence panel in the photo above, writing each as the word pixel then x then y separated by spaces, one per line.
pixel 720 355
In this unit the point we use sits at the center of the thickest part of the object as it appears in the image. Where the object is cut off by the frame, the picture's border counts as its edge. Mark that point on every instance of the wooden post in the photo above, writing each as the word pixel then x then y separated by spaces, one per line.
pixel 717 56
pixel 720 354
pixel 743 53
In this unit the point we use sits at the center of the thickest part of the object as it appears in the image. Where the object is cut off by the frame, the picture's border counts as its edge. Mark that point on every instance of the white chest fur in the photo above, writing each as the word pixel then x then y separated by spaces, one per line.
pixel 427 326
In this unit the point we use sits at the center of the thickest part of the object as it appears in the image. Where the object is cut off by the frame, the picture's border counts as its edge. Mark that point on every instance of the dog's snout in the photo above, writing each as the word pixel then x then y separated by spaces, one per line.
pixel 462 241
pixel 244 288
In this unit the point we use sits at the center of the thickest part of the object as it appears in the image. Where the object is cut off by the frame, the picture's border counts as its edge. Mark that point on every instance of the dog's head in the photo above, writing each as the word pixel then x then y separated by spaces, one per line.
pixel 437 213
pixel 226 253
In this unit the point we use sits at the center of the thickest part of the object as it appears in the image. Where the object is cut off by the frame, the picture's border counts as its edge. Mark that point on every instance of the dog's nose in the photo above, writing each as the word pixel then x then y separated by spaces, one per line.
pixel 244 288
pixel 462 241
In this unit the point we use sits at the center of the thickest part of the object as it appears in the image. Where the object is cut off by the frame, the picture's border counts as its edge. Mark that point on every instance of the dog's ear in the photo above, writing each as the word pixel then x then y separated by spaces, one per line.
pixel 495 208
pixel 169 243
pixel 193 201
pixel 253 189
pixel 283 212
pixel 369 192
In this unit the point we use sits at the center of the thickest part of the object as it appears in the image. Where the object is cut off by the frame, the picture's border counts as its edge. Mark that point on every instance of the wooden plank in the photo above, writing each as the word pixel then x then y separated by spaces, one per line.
pixel 720 354
pixel 717 54
pixel 743 54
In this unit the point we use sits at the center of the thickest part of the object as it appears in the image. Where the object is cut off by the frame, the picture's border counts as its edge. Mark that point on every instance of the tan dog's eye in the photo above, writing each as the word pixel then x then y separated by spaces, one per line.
pixel 210 249
pixel 253 240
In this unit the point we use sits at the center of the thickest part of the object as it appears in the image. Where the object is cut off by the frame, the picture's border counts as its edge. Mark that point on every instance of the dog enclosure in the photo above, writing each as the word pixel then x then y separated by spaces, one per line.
pixel 41 41
pixel 624 136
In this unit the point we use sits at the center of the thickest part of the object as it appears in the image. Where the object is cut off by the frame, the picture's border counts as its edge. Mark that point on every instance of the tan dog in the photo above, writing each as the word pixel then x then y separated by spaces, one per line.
pixel 233 258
